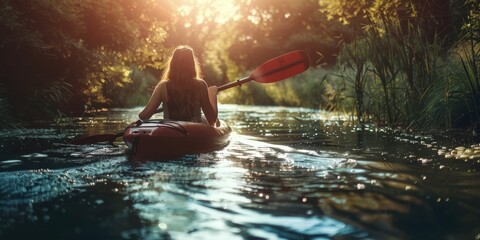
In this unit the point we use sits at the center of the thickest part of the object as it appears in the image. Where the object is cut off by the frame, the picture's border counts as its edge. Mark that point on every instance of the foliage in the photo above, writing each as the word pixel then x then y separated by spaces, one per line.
pixel 415 81
pixel 71 49
pixel 467 98
pixel 354 56
pixel 274 27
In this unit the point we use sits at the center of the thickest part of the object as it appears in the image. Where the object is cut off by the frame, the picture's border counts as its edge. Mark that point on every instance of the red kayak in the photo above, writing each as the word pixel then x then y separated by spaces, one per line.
pixel 163 139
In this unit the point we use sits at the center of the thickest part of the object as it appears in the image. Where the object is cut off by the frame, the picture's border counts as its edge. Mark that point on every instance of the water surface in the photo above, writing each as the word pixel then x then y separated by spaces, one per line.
pixel 288 173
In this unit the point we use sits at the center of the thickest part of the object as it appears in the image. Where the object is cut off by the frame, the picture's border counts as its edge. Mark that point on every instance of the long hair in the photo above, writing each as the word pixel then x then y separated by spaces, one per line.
pixel 181 71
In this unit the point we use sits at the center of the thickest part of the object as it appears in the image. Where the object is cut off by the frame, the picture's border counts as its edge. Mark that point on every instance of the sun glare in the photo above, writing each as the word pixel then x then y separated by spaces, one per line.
pixel 205 11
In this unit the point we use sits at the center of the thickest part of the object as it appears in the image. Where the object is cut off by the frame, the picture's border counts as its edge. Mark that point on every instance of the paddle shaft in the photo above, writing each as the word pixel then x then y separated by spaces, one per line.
pixel 234 84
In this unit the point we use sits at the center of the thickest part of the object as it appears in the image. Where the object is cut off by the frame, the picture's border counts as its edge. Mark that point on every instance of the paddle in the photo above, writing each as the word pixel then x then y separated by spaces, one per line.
pixel 274 70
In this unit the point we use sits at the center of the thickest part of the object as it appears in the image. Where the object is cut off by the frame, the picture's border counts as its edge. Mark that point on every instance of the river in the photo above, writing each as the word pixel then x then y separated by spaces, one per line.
pixel 288 173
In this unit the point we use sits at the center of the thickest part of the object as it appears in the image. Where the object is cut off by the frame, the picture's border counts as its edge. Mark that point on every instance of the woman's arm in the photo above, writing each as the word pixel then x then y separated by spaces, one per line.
pixel 153 103
pixel 208 102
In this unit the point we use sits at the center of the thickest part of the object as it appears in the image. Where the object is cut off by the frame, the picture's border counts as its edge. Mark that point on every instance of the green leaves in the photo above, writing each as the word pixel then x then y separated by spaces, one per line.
pixel 51 44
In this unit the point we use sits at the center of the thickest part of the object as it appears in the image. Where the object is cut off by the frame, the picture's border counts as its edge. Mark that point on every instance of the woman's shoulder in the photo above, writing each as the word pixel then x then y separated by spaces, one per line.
pixel 162 84
pixel 201 83
pixel 161 90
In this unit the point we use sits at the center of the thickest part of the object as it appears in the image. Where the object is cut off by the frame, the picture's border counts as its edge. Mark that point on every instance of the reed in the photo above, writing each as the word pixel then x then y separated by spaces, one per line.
pixel 382 56
pixel 405 69
pixel 47 102
pixel 454 101
pixel 353 61
pixel 466 95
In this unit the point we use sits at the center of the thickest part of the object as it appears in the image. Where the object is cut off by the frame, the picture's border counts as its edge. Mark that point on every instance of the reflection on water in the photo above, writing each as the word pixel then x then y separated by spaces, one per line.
pixel 288 173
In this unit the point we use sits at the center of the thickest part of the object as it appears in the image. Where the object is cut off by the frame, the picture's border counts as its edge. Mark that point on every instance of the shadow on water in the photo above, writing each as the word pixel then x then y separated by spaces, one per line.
pixel 288 173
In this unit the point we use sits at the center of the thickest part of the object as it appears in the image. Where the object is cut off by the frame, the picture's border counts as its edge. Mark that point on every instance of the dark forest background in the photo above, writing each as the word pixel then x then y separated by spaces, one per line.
pixel 412 63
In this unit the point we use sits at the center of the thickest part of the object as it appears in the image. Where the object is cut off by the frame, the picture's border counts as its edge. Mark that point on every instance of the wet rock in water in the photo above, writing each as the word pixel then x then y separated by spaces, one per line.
pixel 35 155
pixel 464 153
pixel 76 154
pixel 13 161
pixel 10 163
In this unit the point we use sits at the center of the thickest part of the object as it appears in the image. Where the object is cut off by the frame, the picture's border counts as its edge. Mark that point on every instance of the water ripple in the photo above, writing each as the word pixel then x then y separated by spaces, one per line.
pixel 288 173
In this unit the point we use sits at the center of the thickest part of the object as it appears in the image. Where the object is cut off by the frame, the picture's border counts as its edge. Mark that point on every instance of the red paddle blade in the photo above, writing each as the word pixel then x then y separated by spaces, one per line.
pixel 281 67
pixel 95 139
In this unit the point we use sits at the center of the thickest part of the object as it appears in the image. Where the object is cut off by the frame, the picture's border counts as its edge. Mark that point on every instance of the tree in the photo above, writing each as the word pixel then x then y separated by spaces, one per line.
pixel 54 52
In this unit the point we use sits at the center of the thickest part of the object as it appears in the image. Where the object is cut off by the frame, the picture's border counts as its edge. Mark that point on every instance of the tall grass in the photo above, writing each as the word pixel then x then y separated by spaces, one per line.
pixel 382 50
pixel 454 100
pixel 466 96
pixel 353 61
pixel 47 102
pixel 414 83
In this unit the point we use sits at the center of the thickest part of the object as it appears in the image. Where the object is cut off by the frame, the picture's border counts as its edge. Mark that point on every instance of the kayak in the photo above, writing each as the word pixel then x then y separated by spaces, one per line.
pixel 164 139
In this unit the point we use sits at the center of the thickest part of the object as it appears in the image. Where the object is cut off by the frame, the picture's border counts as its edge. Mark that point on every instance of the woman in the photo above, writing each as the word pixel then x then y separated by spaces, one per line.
pixel 182 91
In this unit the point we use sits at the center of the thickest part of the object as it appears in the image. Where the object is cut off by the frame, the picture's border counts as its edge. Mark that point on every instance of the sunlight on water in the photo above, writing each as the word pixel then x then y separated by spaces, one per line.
pixel 228 197
pixel 288 173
